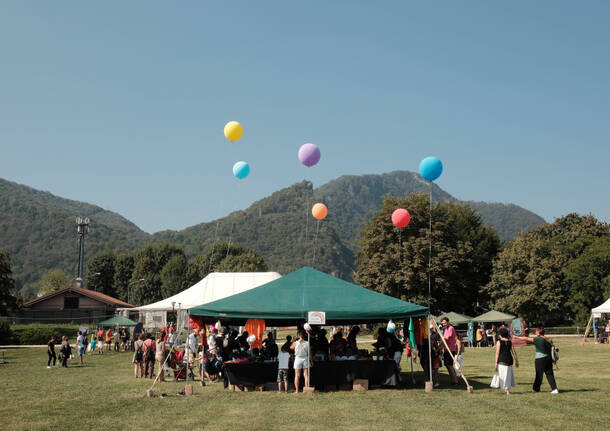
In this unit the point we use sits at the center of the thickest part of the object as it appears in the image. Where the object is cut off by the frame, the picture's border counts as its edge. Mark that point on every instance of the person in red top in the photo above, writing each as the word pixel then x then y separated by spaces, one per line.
pixel 149 356
pixel 451 340
pixel 100 341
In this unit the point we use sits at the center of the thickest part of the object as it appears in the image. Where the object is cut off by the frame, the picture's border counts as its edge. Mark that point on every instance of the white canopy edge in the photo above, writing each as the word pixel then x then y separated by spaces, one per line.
pixel 215 286
pixel 604 308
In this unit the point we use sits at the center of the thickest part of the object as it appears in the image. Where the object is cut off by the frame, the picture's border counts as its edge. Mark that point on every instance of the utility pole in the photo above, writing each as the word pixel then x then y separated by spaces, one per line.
pixel 82 230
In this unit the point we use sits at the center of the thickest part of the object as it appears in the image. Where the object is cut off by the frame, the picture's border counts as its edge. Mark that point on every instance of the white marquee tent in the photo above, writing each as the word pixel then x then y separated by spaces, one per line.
pixel 596 313
pixel 604 308
pixel 216 285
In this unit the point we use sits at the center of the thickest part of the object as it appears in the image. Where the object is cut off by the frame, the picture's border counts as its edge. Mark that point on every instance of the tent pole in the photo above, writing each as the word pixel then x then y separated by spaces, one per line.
pixel 308 361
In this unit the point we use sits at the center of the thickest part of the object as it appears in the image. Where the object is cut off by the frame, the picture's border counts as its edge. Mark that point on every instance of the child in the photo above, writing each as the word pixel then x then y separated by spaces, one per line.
pixel 92 345
pixel 65 351
pixel 51 352
pixel 282 373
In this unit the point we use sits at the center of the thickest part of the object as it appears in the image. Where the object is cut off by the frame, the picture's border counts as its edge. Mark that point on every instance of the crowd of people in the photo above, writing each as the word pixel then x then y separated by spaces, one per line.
pixel 101 338
pixel 167 354
pixel 601 333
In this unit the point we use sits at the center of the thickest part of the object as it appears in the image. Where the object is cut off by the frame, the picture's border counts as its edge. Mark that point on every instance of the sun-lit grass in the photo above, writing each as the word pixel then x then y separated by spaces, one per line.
pixel 104 395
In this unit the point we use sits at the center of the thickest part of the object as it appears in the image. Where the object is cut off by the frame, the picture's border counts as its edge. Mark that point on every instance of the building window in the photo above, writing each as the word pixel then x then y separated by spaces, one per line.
pixel 71 302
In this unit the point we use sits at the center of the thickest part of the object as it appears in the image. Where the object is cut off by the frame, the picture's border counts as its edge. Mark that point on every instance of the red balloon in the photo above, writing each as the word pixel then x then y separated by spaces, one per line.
pixel 401 217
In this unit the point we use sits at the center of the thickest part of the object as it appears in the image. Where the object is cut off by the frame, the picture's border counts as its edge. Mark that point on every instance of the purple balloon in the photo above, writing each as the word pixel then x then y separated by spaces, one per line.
pixel 309 154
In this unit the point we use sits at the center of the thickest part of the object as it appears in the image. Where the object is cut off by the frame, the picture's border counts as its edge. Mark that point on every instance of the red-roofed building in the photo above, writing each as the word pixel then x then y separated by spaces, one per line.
pixel 72 304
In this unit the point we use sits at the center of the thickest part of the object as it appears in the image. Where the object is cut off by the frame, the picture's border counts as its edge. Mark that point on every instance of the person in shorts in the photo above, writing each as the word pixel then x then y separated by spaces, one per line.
pixel 302 360
pixel 282 373
pixel 100 341
pixel 81 343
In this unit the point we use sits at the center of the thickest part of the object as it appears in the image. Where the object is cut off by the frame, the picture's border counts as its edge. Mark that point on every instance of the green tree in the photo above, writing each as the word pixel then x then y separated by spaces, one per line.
pixel 395 262
pixel 100 273
pixel 174 275
pixel 7 284
pixel 123 270
pixel 225 257
pixel 149 290
pixel 52 281
pixel 529 276
pixel 588 279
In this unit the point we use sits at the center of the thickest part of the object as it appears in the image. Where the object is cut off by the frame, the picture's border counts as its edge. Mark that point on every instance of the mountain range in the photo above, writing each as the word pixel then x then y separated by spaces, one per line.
pixel 38 228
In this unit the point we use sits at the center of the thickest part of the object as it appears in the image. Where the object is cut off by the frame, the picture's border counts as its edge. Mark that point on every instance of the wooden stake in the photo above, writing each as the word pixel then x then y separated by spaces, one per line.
pixel 584 338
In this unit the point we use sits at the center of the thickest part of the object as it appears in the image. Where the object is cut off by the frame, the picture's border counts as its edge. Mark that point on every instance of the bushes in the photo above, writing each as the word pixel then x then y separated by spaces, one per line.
pixel 6 334
pixel 37 334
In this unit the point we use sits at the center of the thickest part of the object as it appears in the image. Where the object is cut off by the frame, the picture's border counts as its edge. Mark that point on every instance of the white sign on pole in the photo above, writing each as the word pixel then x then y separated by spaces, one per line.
pixel 316 318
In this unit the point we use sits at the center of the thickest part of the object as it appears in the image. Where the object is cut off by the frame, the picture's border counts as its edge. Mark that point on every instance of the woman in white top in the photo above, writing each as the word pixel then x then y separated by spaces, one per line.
pixel 302 360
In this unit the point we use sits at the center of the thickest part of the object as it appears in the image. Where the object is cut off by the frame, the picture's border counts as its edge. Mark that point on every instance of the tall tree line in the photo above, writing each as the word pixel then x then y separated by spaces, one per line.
pixel 161 270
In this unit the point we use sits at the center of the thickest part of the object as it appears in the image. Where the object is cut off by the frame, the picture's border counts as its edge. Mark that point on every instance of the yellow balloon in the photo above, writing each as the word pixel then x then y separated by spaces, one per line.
pixel 233 131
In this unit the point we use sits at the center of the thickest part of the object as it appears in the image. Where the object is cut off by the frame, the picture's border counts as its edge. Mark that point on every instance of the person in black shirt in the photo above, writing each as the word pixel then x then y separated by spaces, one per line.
pixel 435 341
pixel 51 352
pixel 505 351
pixel 271 349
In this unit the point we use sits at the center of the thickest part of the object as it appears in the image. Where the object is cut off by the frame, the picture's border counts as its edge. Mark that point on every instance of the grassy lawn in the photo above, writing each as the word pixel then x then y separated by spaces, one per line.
pixel 104 395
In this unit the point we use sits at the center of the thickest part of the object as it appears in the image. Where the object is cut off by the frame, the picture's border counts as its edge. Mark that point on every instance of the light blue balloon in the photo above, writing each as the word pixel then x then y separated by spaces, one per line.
pixel 430 168
pixel 241 170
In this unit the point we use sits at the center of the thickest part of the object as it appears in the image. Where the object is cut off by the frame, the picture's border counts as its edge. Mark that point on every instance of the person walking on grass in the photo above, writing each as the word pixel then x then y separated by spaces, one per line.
pixel 450 338
pixel 100 341
pixel 138 357
pixel 51 352
pixel 109 339
pixel 302 361
pixel 81 343
pixel 160 355
pixel 65 351
pixel 505 352
pixel 543 362
pixel 149 356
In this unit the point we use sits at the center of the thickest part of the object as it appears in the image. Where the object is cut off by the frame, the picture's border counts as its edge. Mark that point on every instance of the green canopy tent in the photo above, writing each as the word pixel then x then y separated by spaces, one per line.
pixel 289 298
pixel 494 316
pixel 455 318
pixel 118 320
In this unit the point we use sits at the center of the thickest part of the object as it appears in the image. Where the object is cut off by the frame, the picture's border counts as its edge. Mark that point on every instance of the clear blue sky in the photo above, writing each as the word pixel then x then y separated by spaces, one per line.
pixel 123 103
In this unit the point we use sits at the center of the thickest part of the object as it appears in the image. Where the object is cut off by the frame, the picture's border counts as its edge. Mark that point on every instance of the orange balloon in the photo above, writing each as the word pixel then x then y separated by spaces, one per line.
pixel 319 211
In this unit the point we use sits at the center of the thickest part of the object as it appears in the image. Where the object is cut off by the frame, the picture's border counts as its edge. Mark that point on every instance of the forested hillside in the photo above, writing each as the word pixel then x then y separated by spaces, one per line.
pixel 39 231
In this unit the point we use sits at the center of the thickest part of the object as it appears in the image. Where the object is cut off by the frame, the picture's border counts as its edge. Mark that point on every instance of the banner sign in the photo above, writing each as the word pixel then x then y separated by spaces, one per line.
pixel 316 318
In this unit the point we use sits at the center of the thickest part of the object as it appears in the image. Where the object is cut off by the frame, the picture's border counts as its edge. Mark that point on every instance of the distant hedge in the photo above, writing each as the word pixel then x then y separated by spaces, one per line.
pixel 40 333
pixel 6 334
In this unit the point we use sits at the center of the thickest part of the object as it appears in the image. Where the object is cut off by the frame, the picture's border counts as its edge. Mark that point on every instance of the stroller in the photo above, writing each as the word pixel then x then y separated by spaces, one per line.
pixel 178 364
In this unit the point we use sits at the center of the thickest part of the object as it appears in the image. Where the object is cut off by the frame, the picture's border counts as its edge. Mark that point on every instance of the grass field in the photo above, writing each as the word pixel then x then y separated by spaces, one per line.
pixel 103 395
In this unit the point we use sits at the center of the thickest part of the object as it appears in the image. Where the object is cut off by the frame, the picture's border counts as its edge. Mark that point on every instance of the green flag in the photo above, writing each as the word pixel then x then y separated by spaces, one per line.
pixel 412 334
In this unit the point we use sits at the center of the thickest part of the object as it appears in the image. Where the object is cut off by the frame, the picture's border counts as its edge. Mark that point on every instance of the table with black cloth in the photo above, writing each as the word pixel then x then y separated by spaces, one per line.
pixel 323 373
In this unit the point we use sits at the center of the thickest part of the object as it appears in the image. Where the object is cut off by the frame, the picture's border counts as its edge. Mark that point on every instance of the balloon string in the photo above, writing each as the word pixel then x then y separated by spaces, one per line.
pixel 429 285
pixel 306 218
pixel 213 247
pixel 314 243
